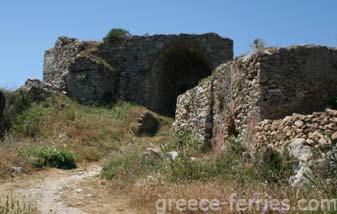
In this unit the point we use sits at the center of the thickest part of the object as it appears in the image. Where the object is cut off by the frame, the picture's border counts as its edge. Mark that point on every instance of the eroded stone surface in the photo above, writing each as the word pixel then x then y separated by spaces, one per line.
pixel 267 84
pixel 148 70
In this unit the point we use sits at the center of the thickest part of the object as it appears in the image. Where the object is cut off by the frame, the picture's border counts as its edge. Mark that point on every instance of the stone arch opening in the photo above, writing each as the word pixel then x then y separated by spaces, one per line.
pixel 176 70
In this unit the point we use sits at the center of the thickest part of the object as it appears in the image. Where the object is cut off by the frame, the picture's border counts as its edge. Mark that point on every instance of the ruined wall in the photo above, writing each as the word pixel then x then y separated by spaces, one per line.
pixel 318 130
pixel 58 59
pixel 300 79
pixel 266 84
pixel 138 69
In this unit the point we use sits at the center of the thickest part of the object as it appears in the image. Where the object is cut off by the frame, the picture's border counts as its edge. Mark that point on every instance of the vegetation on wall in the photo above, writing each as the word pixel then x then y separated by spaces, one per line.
pixel 117 35
pixel 258 44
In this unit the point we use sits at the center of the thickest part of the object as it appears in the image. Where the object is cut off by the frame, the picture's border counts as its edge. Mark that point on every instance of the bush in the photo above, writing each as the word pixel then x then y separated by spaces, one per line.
pixel 117 35
pixel 258 44
pixel 50 157
pixel 272 167
pixel 129 165
pixel 326 174
pixel 16 103
pixel 28 123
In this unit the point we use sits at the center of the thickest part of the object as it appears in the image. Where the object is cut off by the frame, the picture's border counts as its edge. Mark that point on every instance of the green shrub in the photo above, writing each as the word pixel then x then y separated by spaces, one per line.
pixel 16 103
pixel 117 35
pixel 129 165
pixel 49 157
pixel 272 167
pixel 326 174
pixel 28 123
pixel 258 44
pixel 184 169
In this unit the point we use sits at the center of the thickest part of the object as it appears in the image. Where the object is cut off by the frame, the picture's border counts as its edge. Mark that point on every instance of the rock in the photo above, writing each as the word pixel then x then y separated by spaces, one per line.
pixel 334 137
pixel 299 123
pixel 37 89
pixel 298 150
pixel 301 178
pixel 310 141
pixel 148 125
pixel 173 155
pixel 18 170
pixel 77 191
pixel 153 154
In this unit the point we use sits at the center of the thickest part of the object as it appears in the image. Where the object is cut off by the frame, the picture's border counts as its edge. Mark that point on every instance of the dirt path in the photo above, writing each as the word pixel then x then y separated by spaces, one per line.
pixel 67 192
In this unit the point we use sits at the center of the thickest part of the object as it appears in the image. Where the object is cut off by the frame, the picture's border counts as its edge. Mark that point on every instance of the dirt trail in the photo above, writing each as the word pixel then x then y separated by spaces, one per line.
pixel 66 192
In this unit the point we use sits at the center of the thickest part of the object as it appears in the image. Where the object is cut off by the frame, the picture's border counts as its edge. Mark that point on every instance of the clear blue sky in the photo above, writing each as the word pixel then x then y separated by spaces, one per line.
pixel 28 27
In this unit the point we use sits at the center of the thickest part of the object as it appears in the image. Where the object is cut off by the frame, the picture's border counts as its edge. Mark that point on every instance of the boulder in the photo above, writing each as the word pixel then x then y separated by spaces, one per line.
pixel 302 154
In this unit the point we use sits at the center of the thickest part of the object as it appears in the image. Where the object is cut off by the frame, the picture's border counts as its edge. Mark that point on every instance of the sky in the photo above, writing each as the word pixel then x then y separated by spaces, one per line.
pixel 29 27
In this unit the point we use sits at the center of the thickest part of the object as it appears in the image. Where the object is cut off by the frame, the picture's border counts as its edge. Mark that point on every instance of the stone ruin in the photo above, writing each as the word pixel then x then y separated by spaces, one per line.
pixel 282 98
pixel 278 98
pixel 248 96
pixel 148 70
pixel 265 97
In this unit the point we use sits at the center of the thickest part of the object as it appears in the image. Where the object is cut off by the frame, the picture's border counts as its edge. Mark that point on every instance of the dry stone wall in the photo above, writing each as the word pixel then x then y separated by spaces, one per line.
pixel 267 84
pixel 318 130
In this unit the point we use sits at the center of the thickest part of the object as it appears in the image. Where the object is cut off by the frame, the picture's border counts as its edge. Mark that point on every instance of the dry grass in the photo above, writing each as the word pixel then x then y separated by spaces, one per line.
pixel 9 158
pixel 144 196
pixel 91 133
pixel 11 205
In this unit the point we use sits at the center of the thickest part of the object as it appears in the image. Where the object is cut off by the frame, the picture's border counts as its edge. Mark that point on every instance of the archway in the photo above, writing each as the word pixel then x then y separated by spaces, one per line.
pixel 177 70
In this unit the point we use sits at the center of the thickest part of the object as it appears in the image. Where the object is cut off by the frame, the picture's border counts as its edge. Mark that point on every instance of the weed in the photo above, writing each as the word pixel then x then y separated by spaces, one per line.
pixel 10 205
pixel 49 157
pixel 130 165
pixel 272 167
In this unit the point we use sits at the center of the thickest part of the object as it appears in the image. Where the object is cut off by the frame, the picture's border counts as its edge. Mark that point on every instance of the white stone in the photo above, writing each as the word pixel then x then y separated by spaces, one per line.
pixel 299 151
pixel 299 123
pixel 173 155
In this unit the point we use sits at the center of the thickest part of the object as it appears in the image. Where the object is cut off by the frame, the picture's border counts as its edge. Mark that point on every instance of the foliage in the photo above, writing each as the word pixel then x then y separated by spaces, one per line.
pixel 49 157
pixel 16 103
pixel 29 122
pixel 273 167
pixel 258 44
pixel 333 104
pixel 326 176
pixel 129 165
pixel 116 35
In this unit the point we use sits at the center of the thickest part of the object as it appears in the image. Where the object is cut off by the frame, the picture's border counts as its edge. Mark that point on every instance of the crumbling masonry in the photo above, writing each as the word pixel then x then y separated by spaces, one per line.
pixel 148 70
pixel 248 97
pixel 267 84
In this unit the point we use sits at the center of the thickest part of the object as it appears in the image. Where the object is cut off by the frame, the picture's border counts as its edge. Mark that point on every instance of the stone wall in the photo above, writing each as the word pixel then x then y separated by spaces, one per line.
pixel 266 84
pixel 149 70
pixel 318 130
pixel 58 59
